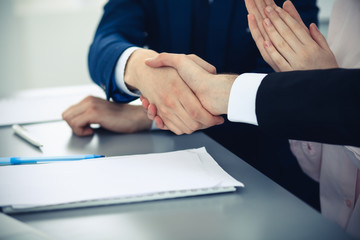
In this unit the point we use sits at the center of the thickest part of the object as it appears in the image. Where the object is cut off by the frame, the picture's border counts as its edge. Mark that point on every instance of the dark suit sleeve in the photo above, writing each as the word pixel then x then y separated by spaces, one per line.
pixel 317 105
pixel 121 27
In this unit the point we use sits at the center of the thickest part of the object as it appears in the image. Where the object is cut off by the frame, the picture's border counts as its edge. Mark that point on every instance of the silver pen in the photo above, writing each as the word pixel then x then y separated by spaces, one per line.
pixel 24 134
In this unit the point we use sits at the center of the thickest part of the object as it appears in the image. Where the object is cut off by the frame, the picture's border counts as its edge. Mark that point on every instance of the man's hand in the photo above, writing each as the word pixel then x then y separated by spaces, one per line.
pixel 212 90
pixel 176 104
pixel 121 118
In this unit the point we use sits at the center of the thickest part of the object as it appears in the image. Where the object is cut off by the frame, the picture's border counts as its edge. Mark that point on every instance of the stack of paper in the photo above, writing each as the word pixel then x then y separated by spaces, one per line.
pixel 112 180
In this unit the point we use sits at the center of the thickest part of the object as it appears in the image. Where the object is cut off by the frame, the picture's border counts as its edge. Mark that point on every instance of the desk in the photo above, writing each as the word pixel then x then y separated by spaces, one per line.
pixel 262 210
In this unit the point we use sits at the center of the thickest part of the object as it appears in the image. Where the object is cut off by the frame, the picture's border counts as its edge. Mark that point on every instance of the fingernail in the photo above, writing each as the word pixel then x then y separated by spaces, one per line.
pixel 269 9
pixel 267 22
pixel 317 29
pixel 267 43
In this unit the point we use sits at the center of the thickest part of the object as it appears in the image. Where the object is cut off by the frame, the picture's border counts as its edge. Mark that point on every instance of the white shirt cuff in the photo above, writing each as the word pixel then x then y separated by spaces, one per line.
pixel 242 100
pixel 120 71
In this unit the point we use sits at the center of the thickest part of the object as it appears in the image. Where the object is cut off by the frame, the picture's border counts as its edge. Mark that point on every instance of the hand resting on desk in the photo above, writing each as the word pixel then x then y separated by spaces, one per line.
pixel 116 117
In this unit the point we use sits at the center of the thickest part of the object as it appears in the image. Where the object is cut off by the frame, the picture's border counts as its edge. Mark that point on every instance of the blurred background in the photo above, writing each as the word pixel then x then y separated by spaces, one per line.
pixel 44 43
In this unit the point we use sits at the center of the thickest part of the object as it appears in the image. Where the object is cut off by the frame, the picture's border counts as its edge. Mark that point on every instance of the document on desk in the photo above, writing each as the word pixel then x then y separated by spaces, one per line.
pixel 40 105
pixel 112 180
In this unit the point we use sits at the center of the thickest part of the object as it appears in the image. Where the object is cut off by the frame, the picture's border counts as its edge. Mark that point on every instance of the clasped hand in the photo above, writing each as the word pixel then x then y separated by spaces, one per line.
pixel 212 90
pixel 177 105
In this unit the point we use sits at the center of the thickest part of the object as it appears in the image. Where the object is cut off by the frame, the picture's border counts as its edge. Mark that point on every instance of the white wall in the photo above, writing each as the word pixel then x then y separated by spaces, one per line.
pixel 324 14
pixel 44 43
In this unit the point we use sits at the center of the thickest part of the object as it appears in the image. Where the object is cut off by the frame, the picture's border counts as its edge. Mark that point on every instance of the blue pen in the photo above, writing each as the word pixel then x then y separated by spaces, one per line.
pixel 32 160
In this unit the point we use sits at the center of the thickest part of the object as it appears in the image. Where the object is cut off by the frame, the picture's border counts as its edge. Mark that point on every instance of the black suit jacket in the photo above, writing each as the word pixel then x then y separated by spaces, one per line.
pixel 318 105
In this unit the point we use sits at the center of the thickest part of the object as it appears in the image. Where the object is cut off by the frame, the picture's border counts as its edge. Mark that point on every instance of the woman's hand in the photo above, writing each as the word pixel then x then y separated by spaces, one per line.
pixel 288 44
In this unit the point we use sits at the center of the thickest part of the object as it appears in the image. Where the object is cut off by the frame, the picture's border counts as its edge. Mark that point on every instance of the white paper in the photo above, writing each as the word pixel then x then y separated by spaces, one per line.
pixel 112 177
pixel 40 105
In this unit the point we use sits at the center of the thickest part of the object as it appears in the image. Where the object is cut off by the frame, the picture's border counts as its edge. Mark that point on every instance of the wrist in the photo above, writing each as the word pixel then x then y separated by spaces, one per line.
pixel 135 66
pixel 220 92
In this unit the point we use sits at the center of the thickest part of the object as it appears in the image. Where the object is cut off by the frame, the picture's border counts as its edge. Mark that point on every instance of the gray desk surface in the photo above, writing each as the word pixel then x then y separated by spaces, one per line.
pixel 262 210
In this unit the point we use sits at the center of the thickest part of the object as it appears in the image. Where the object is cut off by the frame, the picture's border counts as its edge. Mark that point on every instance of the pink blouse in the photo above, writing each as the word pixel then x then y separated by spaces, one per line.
pixel 337 168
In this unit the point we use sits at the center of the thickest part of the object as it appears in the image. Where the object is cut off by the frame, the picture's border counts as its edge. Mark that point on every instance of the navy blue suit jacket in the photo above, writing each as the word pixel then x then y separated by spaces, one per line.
pixel 166 26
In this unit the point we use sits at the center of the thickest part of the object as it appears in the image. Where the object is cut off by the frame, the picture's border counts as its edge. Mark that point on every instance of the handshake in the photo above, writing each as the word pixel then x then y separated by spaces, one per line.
pixel 183 93
pixel 192 98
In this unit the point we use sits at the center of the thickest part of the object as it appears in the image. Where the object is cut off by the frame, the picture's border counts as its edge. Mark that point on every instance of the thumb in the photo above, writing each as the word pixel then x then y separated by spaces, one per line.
pixel 202 63
pixel 318 37
pixel 161 60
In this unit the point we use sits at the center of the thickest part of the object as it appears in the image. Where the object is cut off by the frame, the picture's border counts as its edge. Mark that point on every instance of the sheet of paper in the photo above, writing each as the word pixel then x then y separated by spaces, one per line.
pixel 40 105
pixel 113 177
pixel 12 229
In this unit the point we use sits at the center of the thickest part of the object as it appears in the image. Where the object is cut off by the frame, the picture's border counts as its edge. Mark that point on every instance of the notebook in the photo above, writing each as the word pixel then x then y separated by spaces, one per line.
pixel 112 180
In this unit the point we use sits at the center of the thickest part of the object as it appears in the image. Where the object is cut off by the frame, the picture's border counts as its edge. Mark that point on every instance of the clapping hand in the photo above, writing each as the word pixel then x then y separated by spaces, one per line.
pixel 283 39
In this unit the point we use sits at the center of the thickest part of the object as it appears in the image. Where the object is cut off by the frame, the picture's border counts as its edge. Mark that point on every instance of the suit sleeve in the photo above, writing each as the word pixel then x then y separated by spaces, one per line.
pixel 121 27
pixel 318 105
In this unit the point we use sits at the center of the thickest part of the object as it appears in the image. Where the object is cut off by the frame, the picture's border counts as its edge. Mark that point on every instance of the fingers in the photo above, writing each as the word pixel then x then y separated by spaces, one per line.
pixel 159 123
pixel 260 4
pixel 289 7
pixel 167 60
pixel 177 121
pixel 81 125
pixel 276 57
pixel 151 111
pixel 196 111
pixel 122 118
pixel 77 120
pixel 191 113
pixel 77 109
pixel 318 37
pixel 298 48
pixel 186 68
pixel 202 63
pixel 161 60
pixel 259 41
pixel 278 41
pixel 253 9
pixel 152 114
pixel 296 31
pixel 187 108
pixel 144 102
